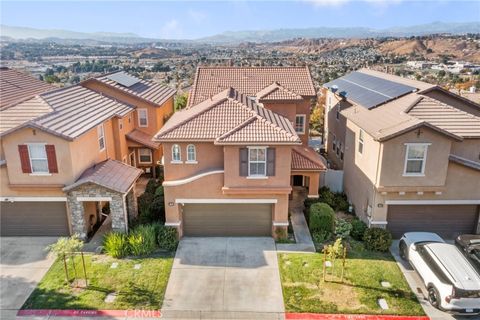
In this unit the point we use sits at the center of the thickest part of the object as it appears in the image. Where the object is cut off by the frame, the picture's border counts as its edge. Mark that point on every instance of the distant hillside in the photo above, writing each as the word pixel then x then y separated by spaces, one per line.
pixel 32 33
pixel 329 32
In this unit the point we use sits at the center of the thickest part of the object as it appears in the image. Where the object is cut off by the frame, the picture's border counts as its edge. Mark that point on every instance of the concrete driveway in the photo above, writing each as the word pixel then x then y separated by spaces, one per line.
pixel 23 263
pixel 229 277
pixel 417 286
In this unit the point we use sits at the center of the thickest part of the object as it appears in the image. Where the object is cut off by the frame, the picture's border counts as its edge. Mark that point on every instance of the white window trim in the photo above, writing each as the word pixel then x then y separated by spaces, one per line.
pixel 140 158
pixel 257 176
pixel 139 111
pixel 46 173
pixel 101 137
pixel 304 121
pixel 424 160
pixel 194 160
pixel 179 153
pixel 361 140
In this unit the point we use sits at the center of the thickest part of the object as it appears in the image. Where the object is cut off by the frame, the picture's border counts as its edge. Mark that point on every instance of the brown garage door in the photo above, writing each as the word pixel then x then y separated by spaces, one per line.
pixel 217 220
pixel 33 219
pixel 446 220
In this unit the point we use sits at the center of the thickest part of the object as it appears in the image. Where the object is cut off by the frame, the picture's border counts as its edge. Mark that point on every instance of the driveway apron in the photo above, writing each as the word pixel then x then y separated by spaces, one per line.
pixel 225 275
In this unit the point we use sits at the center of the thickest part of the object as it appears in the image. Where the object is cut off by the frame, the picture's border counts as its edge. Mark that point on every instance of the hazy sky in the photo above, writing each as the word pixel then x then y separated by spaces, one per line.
pixel 194 19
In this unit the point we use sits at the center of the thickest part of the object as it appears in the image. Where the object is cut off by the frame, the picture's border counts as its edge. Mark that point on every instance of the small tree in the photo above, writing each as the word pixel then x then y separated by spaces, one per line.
pixel 65 246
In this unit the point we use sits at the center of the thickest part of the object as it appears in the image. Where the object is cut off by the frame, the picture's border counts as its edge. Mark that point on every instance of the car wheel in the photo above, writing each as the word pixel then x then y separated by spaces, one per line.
pixel 434 297
pixel 403 250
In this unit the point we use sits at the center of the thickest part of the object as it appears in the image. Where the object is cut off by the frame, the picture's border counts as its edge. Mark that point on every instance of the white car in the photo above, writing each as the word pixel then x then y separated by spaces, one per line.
pixel 452 283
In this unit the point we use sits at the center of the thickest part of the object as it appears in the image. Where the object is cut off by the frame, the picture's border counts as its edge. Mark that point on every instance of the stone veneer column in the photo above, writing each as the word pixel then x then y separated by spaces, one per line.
pixel 77 210
pixel 132 205
pixel 117 212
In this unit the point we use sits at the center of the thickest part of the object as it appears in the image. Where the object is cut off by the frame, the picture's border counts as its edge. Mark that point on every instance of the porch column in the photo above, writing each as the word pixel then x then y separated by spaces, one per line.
pixel 132 205
pixel 118 212
pixel 313 184
pixel 77 211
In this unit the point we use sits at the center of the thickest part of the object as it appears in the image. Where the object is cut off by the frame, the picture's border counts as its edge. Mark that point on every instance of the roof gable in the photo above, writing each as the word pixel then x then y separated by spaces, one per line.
pixel 275 92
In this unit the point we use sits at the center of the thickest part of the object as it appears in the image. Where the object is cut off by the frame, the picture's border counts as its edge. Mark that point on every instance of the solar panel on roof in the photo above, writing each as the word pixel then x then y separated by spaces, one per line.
pixel 368 91
pixel 124 79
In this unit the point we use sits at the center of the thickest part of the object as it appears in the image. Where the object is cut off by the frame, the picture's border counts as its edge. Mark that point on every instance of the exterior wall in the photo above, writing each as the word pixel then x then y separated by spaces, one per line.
pixel 393 161
pixel 313 181
pixel 209 156
pixel 210 187
pixel 121 144
pixel 283 165
pixel 334 128
pixel 468 149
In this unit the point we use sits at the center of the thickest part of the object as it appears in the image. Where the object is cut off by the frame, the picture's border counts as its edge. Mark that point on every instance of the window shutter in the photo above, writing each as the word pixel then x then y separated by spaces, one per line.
pixel 52 158
pixel 270 162
pixel 24 158
pixel 243 162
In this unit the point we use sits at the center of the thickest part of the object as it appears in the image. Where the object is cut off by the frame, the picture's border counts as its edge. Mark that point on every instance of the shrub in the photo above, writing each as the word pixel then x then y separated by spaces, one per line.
pixel 322 218
pixel 342 228
pixel 151 186
pixel 115 244
pixel 167 238
pixel 151 204
pixel 341 202
pixel 321 236
pixel 142 240
pixel 377 239
pixel 334 250
pixel 326 196
pixel 358 229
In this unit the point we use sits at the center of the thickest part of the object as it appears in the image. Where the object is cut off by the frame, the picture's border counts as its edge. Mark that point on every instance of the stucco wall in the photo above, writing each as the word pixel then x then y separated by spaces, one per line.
pixel 468 149
pixel 335 127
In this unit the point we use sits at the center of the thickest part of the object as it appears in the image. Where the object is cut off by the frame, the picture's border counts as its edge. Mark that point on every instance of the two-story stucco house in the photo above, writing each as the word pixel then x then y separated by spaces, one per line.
pixel 66 152
pixel 232 155
pixel 410 152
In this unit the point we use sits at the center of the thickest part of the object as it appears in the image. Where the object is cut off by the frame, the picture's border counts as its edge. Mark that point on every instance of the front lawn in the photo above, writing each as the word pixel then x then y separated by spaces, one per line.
pixel 141 288
pixel 305 291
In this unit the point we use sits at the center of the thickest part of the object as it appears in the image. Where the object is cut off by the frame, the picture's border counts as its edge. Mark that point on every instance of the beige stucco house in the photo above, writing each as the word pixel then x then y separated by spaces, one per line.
pixel 410 152
pixel 232 156
pixel 66 152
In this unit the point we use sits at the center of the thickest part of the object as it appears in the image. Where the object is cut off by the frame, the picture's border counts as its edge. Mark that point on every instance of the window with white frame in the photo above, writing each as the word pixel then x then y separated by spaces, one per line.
pixel 142 117
pixel 176 154
pixel 415 158
pixel 191 153
pixel 257 162
pixel 300 123
pixel 101 137
pixel 144 155
pixel 38 158
pixel 360 142
pixel 337 114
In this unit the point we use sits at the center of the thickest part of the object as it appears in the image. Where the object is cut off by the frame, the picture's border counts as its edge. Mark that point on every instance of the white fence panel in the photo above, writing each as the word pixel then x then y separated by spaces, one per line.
pixel 333 179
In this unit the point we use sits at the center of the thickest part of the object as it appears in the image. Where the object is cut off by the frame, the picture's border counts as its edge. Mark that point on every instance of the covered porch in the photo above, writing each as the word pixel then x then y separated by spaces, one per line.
pixel 143 153
pixel 108 184
pixel 306 168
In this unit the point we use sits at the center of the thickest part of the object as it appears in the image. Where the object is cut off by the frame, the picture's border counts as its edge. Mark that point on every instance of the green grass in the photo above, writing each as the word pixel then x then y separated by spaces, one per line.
pixel 143 288
pixel 305 291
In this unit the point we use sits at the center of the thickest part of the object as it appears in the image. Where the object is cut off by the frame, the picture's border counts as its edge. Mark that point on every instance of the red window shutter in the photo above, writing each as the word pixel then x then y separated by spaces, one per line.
pixel 52 158
pixel 24 158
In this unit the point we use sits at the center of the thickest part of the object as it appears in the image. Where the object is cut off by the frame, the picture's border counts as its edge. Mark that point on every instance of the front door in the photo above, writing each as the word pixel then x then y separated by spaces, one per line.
pixel 132 159
pixel 298 181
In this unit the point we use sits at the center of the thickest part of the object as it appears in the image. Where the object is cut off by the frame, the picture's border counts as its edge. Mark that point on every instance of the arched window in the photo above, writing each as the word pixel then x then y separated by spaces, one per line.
pixel 191 153
pixel 176 156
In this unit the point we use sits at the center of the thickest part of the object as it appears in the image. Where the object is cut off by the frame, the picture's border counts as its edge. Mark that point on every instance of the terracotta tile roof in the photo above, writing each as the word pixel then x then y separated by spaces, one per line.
pixel 16 87
pixel 275 92
pixel 249 80
pixel 228 117
pixel 145 89
pixel 446 117
pixel 305 158
pixel 142 138
pixel 111 174
pixel 75 110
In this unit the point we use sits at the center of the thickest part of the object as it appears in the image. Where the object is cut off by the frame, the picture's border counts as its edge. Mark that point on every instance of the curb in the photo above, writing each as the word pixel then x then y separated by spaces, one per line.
pixel 318 316
pixel 90 313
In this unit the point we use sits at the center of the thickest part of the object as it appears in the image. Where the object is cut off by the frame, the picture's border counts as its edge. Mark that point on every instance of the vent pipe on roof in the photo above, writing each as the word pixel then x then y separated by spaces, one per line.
pixel 334 88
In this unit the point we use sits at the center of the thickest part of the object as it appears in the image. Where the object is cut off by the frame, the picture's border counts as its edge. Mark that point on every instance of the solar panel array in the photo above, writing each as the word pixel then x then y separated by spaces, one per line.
pixel 368 91
pixel 123 78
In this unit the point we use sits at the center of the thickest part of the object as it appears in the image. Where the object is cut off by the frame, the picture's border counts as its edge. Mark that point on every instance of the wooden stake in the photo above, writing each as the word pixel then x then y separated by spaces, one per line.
pixel 74 268
pixel 84 271
pixel 66 268
pixel 343 262
pixel 324 262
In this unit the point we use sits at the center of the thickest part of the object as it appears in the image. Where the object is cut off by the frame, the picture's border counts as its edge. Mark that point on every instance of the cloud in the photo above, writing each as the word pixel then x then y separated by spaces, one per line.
pixel 171 30
pixel 197 16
